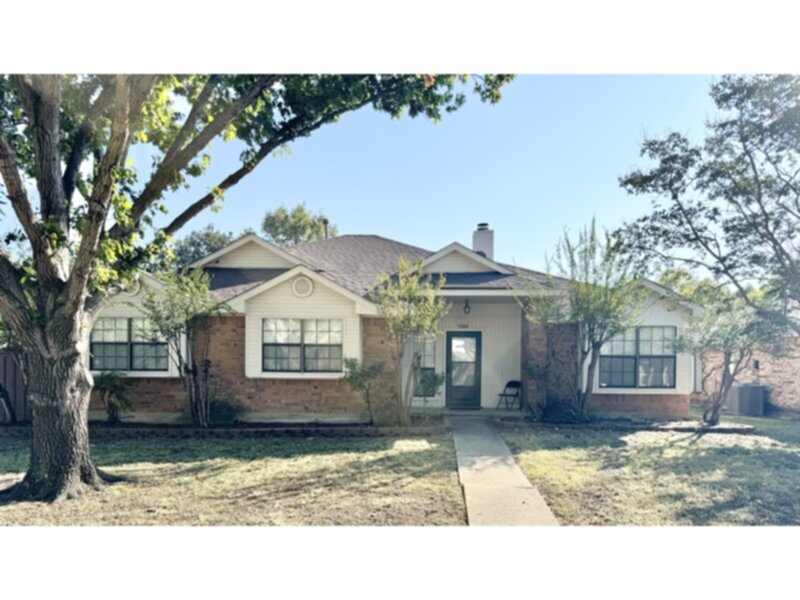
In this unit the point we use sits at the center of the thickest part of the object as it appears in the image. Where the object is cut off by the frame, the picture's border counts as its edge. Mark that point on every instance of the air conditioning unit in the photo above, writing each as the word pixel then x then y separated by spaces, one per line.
pixel 747 399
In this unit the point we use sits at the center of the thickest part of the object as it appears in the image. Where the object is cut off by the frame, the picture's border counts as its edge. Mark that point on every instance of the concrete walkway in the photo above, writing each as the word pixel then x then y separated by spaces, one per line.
pixel 496 490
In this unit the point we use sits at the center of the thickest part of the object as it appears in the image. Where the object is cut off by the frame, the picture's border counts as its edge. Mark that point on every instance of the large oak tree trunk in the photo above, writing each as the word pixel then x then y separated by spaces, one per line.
pixel 61 466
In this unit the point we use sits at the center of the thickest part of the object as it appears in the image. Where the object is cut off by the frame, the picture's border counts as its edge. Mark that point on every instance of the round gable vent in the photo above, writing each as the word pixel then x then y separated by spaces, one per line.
pixel 302 287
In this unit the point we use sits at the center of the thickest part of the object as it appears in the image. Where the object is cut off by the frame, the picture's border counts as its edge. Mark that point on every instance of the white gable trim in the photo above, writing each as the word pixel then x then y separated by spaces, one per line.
pixel 246 239
pixel 668 294
pixel 363 306
pixel 463 250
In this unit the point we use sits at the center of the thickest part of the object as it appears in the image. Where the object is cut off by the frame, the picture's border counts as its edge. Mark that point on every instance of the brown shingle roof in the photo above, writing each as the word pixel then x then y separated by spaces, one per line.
pixel 227 283
pixel 356 262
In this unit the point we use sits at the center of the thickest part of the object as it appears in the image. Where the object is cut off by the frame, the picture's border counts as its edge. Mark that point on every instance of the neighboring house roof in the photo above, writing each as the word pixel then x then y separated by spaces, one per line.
pixel 227 283
pixel 665 292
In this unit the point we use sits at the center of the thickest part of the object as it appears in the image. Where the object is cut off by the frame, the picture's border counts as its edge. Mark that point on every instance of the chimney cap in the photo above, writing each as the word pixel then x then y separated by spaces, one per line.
pixel 483 226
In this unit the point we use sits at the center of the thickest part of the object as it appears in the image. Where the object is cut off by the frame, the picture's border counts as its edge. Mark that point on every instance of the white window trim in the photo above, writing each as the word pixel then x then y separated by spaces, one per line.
pixel 435 341
pixel 309 375
pixel 172 366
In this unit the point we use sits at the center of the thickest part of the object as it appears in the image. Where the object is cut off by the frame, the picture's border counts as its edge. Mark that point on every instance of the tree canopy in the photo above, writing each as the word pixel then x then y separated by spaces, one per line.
pixel 289 227
pixel 200 243
pixel 412 307
pixel 730 206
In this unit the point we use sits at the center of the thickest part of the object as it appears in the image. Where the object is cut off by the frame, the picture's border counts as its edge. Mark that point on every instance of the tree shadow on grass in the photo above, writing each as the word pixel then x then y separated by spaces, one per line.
pixel 380 484
pixel 695 478
pixel 14 454
pixel 250 475
pixel 744 480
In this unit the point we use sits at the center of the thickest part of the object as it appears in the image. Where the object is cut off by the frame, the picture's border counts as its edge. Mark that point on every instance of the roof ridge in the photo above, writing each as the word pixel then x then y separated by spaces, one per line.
pixel 359 235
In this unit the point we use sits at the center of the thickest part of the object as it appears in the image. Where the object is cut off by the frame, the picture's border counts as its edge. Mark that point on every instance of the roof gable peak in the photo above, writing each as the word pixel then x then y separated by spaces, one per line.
pixel 284 257
pixel 468 257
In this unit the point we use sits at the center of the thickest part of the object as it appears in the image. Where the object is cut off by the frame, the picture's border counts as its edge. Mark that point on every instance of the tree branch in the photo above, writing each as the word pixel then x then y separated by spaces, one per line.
pixel 180 158
pixel 18 196
pixel 82 137
pixel 41 99
pixel 15 188
pixel 130 93
pixel 194 115
pixel 14 306
pixel 235 177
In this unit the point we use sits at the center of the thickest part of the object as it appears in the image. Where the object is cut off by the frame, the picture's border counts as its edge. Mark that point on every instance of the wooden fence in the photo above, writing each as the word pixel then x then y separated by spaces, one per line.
pixel 11 380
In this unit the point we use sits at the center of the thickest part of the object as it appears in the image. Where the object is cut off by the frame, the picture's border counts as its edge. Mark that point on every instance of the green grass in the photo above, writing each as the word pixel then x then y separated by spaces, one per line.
pixel 280 481
pixel 653 478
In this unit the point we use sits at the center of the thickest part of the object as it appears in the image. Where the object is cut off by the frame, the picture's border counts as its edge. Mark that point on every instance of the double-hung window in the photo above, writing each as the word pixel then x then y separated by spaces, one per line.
pixel 127 344
pixel 427 362
pixel 302 345
pixel 643 357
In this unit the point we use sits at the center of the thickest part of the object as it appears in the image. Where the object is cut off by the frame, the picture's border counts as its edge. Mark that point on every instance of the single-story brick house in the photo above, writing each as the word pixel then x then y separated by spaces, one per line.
pixel 296 312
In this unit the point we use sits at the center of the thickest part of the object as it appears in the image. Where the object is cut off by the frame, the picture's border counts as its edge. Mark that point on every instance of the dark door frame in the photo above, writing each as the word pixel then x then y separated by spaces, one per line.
pixel 449 397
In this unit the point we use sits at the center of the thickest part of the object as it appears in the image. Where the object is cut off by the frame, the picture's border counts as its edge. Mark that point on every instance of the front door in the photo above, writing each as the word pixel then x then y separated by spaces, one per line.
pixel 463 370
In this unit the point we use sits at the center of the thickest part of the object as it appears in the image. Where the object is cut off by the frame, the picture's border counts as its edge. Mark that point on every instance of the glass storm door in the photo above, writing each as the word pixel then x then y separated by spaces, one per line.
pixel 464 370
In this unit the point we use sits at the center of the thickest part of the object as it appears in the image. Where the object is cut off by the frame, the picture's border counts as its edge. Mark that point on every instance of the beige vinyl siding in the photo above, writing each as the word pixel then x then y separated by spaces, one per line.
pixel 456 262
pixel 281 302
pixel 251 256
pixel 129 305
pixel 500 324
pixel 660 311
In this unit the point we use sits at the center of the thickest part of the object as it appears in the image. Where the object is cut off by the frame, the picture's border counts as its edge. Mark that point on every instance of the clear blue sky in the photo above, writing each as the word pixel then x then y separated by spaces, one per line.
pixel 546 157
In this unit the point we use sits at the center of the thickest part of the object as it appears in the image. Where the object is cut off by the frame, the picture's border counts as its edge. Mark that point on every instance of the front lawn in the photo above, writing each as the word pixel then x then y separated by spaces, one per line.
pixel 278 481
pixel 653 478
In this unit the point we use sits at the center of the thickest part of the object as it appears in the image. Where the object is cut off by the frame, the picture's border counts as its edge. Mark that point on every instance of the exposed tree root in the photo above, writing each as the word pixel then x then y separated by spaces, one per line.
pixel 52 491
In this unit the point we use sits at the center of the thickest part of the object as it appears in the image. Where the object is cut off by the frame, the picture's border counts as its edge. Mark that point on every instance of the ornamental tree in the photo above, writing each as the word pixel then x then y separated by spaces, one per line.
pixel 411 305
pixel 598 295
pixel 723 332
pixel 724 335
pixel 91 219
pixel 180 314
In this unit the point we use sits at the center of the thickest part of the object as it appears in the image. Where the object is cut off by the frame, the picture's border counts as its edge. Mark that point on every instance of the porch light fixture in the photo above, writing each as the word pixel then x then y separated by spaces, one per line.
pixel 467 307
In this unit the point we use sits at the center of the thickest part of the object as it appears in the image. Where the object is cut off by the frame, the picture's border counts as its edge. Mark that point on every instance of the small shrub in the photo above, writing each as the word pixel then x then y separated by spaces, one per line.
pixel 361 379
pixel 112 388
pixel 559 410
pixel 224 413
pixel 428 385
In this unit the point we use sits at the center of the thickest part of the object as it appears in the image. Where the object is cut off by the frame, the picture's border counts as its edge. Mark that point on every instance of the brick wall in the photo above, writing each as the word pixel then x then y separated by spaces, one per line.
pixel 556 346
pixel 780 374
pixel 268 397
pixel 552 351
pixel 652 405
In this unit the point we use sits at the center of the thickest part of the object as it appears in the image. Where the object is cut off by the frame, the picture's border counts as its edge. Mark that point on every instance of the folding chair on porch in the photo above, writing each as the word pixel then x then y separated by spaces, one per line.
pixel 511 395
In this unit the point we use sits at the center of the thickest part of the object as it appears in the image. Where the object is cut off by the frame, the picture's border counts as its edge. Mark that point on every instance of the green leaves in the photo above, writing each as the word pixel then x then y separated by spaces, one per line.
pixel 287 228
pixel 729 206
pixel 182 306
pixel 410 302
pixel 598 295
pixel 200 243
